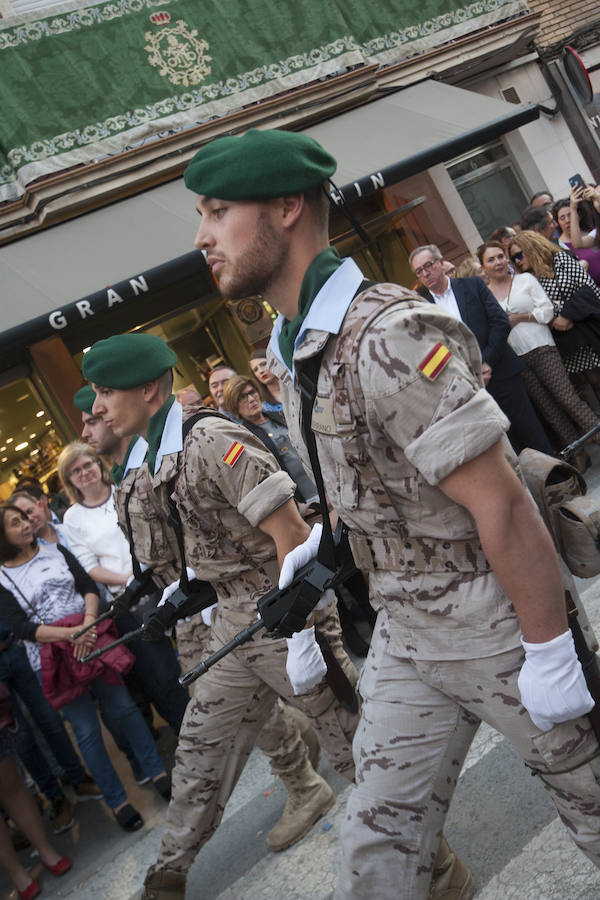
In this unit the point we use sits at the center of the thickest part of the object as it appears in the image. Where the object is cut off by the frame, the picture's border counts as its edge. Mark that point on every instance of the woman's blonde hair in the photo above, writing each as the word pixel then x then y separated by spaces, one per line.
pixel 234 387
pixel 539 250
pixel 66 460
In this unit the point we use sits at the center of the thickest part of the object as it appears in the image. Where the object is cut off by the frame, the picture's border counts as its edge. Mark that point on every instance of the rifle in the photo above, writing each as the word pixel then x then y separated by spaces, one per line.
pixel 284 611
pixel 589 663
pixel 179 605
pixel 136 589
pixel 575 445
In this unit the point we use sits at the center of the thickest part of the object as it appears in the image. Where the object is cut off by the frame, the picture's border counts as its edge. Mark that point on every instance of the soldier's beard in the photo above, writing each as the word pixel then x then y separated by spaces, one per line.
pixel 257 266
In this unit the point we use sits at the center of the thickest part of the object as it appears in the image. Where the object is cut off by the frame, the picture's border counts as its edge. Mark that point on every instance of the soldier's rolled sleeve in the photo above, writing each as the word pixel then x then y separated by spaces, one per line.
pixel 439 422
pixel 266 497
pixel 254 484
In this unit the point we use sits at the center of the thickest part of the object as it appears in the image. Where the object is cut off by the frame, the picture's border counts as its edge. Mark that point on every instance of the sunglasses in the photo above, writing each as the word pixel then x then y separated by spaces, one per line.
pixel 517 257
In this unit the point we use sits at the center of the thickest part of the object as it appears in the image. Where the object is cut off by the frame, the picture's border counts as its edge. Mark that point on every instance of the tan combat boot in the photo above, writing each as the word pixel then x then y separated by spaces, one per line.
pixel 308 798
pixel 162 884
pixel 307 733
pixel 451 879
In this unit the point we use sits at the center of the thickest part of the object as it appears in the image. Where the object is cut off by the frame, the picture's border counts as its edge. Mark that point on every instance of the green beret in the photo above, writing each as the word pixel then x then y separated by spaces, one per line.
pixel 126 361
pixel 259 165
pixel 84 398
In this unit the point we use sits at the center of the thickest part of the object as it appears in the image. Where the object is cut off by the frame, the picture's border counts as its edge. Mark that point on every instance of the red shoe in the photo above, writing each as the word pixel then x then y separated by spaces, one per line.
pixel 32 891
pixel 59 868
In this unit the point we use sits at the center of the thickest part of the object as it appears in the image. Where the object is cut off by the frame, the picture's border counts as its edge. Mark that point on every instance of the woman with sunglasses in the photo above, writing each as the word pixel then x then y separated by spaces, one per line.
pixel 573 294
pixel 529 311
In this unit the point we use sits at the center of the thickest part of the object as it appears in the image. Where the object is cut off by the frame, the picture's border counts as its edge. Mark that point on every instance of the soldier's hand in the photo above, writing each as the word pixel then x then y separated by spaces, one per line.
pixel 305 665
pixel 157 621
pixel 552 683
pixel 299 556
pixel 171 588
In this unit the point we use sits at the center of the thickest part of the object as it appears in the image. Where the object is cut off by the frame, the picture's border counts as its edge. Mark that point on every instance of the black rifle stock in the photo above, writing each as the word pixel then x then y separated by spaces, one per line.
pixel 284 611
pixel 589 663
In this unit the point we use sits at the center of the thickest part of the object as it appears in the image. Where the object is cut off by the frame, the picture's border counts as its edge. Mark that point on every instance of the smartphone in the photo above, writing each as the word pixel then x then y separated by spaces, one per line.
pixel 576 181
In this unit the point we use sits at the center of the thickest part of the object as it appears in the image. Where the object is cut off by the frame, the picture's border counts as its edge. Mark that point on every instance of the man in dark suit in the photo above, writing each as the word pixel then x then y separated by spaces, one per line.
pixel 470 300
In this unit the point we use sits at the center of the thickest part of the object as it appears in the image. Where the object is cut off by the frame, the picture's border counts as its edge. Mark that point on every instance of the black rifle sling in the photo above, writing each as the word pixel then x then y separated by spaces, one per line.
pixel 174 517
pixel 308 379
pixel 137 570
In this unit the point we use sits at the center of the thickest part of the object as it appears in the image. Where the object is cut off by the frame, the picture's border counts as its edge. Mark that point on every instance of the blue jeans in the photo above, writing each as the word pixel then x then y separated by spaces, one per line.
pixel 19 677
pixel 115 704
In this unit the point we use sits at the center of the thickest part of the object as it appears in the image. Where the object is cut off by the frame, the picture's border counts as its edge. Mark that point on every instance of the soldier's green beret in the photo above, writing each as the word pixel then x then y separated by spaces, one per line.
pixel 125 361
pixel 84 398
pixel 259 165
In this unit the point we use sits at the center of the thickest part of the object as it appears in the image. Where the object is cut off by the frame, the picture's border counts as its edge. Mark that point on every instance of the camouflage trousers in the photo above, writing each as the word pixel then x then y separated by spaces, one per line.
pixel 418 720
pixel 280 737
pixel 229 707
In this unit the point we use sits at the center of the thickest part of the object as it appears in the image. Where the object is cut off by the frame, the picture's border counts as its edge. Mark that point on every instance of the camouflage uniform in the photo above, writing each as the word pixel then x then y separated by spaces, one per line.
pixel 220 507
pixel 446 649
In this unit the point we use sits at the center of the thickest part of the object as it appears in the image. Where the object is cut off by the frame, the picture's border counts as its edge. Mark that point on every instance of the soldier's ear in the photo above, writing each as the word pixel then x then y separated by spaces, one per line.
pixel 291 209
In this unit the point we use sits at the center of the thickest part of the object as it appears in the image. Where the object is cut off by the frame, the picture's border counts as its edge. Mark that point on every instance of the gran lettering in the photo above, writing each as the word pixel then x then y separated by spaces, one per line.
pixel 103 300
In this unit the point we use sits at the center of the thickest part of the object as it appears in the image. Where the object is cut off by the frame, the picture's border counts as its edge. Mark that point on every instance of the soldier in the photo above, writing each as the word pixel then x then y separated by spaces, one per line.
pixel 472 623
pixel 287 730
pixel 238 517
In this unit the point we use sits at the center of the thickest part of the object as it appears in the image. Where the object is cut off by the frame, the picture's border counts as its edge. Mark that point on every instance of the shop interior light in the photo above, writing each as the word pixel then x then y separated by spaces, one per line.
pixel 85 349
pixel 2 449
pixel 32 435
pixel 49 422
pixel 40 413
pixel 33 452
pixel 5 459
pixel 9 440
pixel 22 446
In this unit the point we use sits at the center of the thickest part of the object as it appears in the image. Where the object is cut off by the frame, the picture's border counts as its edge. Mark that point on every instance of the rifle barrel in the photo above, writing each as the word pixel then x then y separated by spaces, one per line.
pixel 122 640
pixel 204 665
pixel 105 615
pixel 575 445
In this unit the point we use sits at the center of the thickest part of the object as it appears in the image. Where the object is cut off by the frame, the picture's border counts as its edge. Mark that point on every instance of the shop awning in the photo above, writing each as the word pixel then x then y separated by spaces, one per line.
pixel 411 130
pixel 44 275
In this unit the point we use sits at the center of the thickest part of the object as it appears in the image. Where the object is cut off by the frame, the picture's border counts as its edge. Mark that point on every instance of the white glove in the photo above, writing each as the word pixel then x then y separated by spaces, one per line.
pixel 299 556
pixel 552 684
pixel 207 614
pixel 171 588
pixel 305 665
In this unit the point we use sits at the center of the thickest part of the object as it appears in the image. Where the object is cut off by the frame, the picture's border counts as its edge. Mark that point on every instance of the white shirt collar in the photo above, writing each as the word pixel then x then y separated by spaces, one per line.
pixel 172 436
pixel 136 456
pixel 329 307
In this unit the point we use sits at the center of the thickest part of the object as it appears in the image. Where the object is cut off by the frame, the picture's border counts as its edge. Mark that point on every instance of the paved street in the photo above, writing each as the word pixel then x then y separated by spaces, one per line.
pixel 501 822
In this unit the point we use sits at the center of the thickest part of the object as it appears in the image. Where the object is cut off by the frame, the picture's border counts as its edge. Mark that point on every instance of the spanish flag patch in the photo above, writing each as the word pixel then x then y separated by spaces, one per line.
pixel 233 454
pixel 435 361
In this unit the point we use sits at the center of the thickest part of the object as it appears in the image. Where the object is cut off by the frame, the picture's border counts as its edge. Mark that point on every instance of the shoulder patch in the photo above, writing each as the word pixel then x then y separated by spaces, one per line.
pixel 233 454
pixel 435 361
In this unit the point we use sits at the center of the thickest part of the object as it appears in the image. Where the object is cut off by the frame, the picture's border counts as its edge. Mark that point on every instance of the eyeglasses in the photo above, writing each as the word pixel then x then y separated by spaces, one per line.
pixel 247 395
pixel 426 267
pixel 517 257
pixel 85 467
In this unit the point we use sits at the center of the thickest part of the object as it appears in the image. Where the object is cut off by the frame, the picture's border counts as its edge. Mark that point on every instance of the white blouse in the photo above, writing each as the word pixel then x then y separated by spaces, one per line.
pixel 95 538
pixel 526 295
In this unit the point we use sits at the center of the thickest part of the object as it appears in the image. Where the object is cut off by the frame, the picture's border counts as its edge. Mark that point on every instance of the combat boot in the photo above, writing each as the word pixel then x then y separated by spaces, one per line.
pixel 451 879
pixel 307 733
pixel 308 798
pixel 163 884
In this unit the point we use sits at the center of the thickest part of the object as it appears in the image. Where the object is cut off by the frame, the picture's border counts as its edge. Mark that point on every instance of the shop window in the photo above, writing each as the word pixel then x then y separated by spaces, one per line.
pixel 29 440
pixel 490 188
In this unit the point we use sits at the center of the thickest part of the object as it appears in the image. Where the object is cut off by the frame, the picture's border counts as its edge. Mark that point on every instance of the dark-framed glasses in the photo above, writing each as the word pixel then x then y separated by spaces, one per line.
pixel 517 257
pixel 426 267
pixel 248 395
